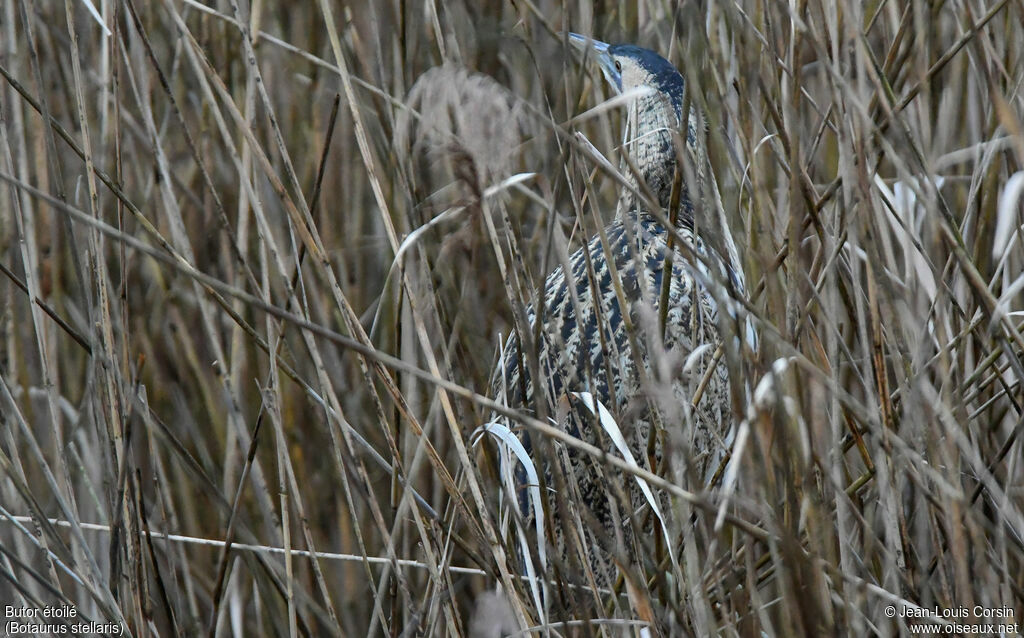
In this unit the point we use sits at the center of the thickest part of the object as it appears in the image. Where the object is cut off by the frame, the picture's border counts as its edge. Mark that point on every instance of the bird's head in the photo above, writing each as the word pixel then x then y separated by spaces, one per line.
pixel 627 67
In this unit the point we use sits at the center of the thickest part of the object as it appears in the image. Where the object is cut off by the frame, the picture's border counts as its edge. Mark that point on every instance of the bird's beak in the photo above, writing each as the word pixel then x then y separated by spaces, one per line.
pixel 601 54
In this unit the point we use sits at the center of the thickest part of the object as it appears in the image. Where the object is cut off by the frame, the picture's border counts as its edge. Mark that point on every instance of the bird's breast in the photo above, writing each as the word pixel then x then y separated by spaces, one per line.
pixel 602 318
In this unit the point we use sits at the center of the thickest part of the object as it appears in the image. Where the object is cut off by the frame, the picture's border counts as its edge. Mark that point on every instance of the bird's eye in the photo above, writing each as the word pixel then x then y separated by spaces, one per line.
pixel 618 66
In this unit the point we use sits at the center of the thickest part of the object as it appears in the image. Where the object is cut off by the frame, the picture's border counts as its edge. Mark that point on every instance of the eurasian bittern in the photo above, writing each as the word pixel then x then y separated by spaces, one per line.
pixel 611 325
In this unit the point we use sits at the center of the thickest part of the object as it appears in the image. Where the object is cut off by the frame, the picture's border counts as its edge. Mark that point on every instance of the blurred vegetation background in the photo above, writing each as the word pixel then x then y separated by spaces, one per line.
pixel 257 258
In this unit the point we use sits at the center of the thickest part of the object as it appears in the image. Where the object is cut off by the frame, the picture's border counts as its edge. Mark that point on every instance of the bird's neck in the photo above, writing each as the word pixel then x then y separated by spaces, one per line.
pixel 652 123
pixel 651 136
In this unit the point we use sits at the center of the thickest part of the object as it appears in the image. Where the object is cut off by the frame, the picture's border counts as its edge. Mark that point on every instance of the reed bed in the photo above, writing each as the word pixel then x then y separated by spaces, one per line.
pixel 258 258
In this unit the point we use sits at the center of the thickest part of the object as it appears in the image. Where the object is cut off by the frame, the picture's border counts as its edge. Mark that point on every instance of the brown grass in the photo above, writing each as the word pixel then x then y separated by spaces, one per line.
pixel 254 281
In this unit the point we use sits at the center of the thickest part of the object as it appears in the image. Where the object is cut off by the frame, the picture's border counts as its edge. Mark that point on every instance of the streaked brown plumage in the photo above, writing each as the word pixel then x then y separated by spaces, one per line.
pixel 587 319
